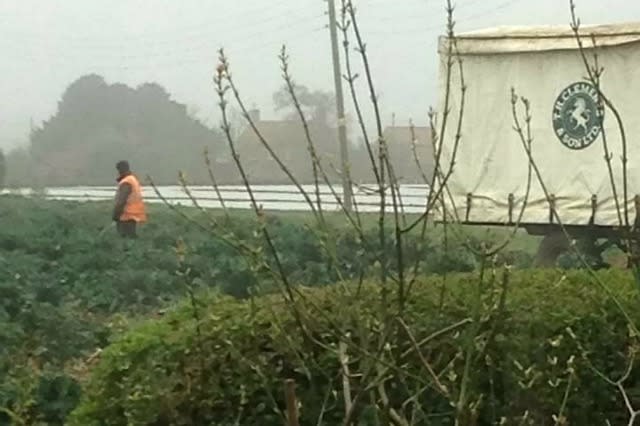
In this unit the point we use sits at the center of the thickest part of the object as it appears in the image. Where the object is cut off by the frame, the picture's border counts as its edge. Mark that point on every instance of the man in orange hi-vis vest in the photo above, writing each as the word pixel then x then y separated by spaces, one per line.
pixel 129 209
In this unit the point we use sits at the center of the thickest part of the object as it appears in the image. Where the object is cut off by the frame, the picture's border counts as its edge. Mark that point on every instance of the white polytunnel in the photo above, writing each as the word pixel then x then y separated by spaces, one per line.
pixel 489 180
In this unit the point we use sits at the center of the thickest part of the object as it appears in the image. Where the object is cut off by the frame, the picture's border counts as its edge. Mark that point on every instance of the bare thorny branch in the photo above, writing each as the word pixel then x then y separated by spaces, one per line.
pixel 214 182
pixel 349 10
pixel 221 77
pixel 525 136
pixel 594 74
pixel 437 183
pixel 375 360
pixel 318 168
pixel 315 161
pixel 619 384
pixel 440 177
pixel 230 85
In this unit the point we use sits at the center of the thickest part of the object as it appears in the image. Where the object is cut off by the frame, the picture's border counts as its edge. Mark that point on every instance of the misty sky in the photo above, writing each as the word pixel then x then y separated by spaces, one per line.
pixel 45 45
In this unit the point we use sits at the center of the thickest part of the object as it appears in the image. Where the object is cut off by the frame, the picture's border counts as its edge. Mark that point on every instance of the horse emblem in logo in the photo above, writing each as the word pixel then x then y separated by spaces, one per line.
pixel 577 117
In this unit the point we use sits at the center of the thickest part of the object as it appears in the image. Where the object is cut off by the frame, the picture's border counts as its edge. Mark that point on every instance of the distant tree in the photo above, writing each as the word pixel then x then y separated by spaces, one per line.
pixel 18 167
pixel 84 97
pixel 97 124
pixel 318 105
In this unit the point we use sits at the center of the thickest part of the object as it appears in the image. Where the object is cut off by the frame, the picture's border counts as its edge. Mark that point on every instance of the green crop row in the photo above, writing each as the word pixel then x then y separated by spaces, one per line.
pixel 68 284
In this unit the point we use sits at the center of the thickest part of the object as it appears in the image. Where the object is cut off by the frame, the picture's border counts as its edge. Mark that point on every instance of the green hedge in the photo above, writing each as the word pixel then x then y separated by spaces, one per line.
pixel 163 373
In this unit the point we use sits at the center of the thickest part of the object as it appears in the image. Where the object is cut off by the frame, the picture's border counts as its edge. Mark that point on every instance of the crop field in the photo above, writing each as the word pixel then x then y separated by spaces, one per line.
pixel 77 303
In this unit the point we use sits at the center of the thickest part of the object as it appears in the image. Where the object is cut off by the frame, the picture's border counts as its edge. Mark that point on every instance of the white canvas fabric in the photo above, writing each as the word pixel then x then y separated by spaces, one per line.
pixel 540 63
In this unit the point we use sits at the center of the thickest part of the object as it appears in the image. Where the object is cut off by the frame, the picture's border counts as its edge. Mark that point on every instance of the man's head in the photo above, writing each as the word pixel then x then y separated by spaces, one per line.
pixel 123 167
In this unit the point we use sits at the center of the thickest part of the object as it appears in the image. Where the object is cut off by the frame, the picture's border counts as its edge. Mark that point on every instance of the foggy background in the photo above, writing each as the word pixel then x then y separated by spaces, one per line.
pixel 46 45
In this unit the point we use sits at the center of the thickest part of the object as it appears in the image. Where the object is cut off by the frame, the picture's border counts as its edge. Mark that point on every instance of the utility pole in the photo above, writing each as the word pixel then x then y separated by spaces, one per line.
pixel 347 190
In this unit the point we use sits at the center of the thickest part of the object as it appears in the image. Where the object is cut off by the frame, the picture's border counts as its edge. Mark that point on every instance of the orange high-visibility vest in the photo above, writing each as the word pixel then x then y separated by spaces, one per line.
pixel 134 209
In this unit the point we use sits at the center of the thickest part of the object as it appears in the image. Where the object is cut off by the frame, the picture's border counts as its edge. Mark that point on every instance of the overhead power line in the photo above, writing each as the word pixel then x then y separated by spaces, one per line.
pixel 217 22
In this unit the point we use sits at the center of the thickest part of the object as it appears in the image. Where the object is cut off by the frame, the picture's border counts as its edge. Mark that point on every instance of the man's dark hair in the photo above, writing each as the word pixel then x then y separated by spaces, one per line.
pixel 123 166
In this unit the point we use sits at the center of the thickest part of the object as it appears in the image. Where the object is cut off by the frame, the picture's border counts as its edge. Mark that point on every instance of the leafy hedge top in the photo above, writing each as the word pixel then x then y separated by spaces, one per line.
pixel 168 372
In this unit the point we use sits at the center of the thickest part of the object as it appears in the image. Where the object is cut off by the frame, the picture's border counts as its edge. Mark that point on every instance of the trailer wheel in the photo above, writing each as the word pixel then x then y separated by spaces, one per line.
pixel 593 251
pixel 551 247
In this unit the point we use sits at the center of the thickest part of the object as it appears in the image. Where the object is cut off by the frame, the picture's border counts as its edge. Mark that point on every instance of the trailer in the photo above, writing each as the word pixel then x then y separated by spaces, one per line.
pixel 492 181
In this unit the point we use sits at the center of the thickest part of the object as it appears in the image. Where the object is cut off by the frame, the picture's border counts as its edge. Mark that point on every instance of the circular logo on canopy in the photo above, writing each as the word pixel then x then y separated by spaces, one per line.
pixel 577 118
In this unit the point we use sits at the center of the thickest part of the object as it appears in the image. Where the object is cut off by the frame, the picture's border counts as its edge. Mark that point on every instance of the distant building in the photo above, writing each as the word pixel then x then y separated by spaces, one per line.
pixel 399 140
pixel 288 140
pixel 401 146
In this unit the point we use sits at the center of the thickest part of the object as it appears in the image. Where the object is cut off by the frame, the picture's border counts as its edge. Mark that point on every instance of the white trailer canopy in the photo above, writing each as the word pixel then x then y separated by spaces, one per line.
pixel 544 65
